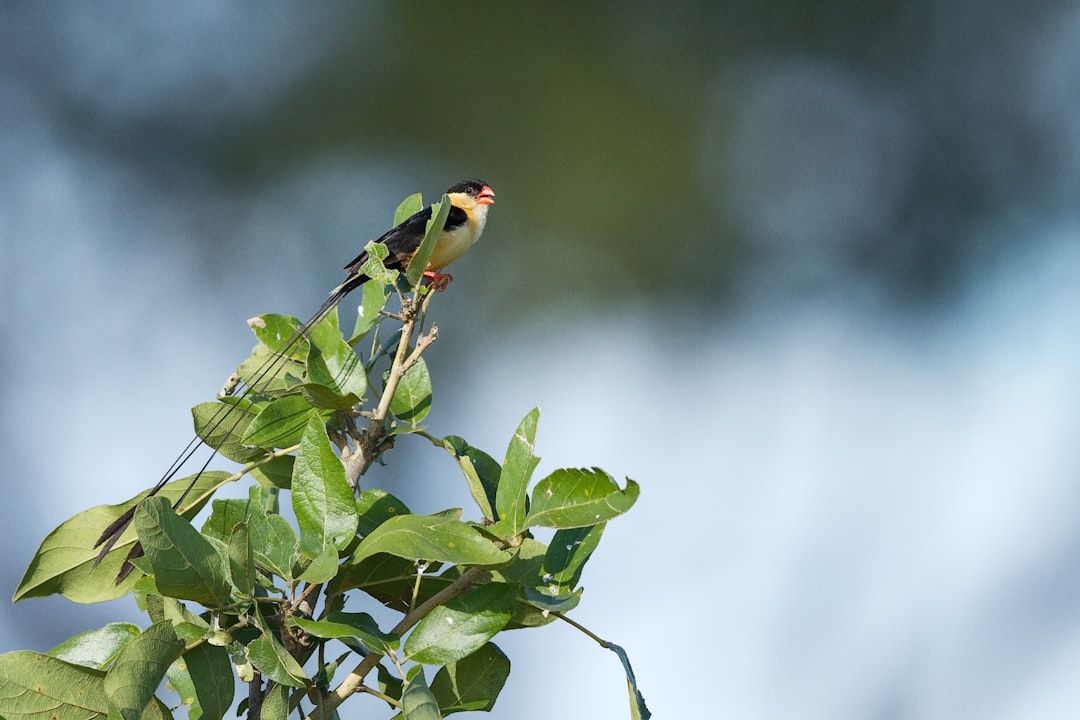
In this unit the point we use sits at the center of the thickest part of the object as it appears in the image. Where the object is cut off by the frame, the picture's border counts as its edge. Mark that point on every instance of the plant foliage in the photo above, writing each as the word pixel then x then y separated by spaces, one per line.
pixel 254 597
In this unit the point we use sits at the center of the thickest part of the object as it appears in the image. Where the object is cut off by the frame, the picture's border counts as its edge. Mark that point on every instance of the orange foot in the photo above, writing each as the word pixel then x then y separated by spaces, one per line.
pixel 438 280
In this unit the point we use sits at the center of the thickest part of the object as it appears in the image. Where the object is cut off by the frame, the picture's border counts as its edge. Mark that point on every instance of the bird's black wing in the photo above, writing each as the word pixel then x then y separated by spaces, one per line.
pixel 403 241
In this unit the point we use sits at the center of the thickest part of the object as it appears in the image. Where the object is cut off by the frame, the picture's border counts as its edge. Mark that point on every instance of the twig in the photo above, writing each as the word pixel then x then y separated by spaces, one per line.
pixel 373 440
pixel 354 683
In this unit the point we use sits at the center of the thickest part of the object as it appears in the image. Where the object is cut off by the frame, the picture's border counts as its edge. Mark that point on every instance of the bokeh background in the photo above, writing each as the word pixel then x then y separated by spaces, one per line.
pixel 809 271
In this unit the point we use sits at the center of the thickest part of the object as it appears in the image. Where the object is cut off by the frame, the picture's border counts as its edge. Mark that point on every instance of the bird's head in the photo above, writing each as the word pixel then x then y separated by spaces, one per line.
pixel 469 194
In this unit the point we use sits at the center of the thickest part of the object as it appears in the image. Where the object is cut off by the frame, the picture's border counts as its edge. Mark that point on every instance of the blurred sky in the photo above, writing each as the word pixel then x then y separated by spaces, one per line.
pixel 808 271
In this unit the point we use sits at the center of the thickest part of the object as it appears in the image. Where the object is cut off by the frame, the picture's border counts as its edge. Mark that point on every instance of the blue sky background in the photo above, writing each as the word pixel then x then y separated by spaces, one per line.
pixel 808 272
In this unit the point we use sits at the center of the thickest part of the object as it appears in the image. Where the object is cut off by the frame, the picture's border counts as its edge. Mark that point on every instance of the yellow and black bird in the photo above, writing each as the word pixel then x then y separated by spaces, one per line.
pixel 469 201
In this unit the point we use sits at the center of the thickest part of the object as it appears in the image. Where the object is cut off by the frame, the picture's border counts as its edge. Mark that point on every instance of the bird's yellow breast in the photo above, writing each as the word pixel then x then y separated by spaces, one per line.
pixel 453 244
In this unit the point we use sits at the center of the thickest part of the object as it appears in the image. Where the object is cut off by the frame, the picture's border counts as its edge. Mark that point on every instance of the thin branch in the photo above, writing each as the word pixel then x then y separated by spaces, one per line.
pixel 355 681
pixel 373 440
pixel 599 640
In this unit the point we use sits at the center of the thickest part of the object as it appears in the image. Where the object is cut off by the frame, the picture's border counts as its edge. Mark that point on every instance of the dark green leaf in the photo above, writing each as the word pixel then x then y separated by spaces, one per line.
pixel 389 684
pixel 212 677
pixel 34 686
pixel 412 399
pixel 140 667
pixel 462 626
pixel 375 506
pixel 638 711
pixel 481 473
pixel 96 648
pixel 510 501
pixel 275 473
pixel 186 565
pixel 321 498
pixel 281 423
pixel 359 626
pixel 66 561
pixel 387 578
pixel 566 556
pixel 551 600
pixel 577 498
pixel 428 537
pixel 323 398
pixel 472 683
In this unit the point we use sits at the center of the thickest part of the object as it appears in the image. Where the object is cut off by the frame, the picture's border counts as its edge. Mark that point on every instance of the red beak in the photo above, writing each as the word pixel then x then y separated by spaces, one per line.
pixel 486 196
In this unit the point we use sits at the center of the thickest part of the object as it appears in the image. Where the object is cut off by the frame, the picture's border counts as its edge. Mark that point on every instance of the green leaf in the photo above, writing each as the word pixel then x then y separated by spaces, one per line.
pixel 462 626
pixel 242 560
pixel 517 470
pixel 555 599
pixel 226 515
pixel 186 565
pixel 418 264
pixel 527 565
pixel 480 470
pixel 276 704
pixel 271 659
pixel 274 544
pixel 372 302
pixel 387 578
pixel 281 423
pixel 275 473
pixel 188 626
pixel 323 398
pixel 472 683
pixel 389 684
pixel 375 506
pixel 321 497
pixel 358 626
pixel 332 363
pixel 277 332
pixel 417 702
pixel 203 679
pixel 374 268
pixel 429 537
pixel 66 561
pixel 322 567
pixel 571 498
pixel 96 648
pixel 222 425
pixel 638 711
pixel 412 399
pixel 408 207
pixel 266 372
pixel 140 667
pixel 567 554
pixel 35 686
